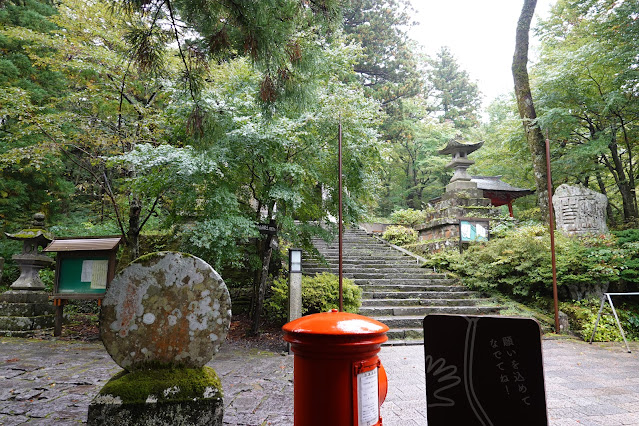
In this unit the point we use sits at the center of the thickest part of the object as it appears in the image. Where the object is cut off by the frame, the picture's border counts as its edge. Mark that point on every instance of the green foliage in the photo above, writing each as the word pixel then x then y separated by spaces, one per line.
pixel 583 315
pixel 408 217
pixel 519 263
pixel 11 272
pixel 586 93
pixel 319 294
pixel 400 235
pixel 628 242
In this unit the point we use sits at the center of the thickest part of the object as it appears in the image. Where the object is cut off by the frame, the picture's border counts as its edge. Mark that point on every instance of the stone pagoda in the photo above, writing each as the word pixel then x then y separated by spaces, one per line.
pixel 462 200
pixel 25 307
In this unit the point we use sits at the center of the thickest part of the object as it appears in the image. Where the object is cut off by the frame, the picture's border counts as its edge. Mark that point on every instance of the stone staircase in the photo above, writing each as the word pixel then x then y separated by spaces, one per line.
pixel 396 290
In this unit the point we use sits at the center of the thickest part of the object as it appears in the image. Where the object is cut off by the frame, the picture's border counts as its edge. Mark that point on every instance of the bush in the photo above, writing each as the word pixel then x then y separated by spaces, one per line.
pixel 400 235
pixel 409 217
pixel 319 294
pixel 519 264
pixel 628 241
pixel 583 315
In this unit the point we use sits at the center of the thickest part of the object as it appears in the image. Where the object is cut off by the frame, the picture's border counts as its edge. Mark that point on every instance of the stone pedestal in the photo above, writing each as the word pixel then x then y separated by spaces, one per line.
pixel 22 312
pixel 441 229
pixel 181 396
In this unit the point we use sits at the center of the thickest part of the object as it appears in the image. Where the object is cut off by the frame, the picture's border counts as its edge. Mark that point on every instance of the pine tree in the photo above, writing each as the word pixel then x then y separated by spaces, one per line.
pixel 455 97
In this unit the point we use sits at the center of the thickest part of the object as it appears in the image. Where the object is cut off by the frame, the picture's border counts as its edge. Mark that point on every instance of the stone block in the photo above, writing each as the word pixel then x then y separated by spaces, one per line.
pixel 25 309
pixel 24 296
pixel 179 396
pixel 9 324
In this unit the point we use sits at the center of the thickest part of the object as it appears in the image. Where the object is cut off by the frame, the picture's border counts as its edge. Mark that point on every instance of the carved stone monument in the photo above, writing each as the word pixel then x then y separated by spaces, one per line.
pixel 25 307
pixel 579 210
pixel 163 318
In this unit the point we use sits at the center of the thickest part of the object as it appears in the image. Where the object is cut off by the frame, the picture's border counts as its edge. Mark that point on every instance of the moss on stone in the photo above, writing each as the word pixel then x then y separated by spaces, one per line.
pixel 30 233
pixel 167 384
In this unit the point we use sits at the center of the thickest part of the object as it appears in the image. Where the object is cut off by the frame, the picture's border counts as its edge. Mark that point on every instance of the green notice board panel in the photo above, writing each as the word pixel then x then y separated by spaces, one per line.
pixel 473 231
pixel 81 275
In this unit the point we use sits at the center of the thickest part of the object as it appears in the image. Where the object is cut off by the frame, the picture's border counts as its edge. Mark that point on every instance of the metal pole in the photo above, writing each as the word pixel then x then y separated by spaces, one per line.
pixel 614 311
pixel 552 236
pixel 339 172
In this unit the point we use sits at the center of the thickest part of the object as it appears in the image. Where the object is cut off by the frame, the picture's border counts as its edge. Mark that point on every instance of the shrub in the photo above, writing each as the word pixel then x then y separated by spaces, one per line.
pixel 319 294
pixel 628 241
pixel 400 235
pixel 409 217
pixel 519 264
pixel 583 315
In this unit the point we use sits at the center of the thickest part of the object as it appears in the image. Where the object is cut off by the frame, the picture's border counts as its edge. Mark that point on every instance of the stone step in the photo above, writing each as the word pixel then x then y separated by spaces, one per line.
pixel 426 280
pixel 349 261
pixel 415 335
pixel 26 309
pixel 368 267
pixel 399 311
pixel 394 322
pixel 10 324
pixel 396 276
pixel 443 301
pixel 392 271
pixel 455 292
pixel 397 288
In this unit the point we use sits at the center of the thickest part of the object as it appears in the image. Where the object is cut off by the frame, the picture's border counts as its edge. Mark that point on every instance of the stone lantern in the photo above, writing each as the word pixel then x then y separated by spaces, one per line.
pixel 459 151
pixel 31 261
pixel 25 307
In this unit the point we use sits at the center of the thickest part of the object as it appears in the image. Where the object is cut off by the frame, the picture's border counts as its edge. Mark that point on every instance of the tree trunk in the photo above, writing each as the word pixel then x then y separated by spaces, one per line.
pixel 627 194
pixel 133 234
pixel 526 107
pixel 261 290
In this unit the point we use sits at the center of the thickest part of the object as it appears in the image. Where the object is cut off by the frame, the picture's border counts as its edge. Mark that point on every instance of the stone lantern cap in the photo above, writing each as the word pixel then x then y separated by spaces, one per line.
pixel 33 237
pixel 456 145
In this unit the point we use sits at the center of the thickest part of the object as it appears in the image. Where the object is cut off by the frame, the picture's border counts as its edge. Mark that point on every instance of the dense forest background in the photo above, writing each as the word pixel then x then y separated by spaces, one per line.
pixel 189 123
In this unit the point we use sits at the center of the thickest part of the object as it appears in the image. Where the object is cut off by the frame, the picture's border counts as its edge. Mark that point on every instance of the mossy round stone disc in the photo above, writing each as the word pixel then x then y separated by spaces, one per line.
pixel 165 309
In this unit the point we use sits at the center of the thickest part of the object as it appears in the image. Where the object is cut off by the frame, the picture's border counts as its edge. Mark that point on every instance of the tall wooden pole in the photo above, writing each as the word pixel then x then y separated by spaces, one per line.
pixel 339 172
pixel 551 224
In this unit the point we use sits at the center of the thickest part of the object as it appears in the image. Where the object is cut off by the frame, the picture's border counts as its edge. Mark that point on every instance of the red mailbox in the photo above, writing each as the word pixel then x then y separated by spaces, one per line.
pixel 338 377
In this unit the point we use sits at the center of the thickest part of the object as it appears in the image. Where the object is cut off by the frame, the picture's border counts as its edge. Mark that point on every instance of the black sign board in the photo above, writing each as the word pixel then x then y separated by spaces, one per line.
pixel 484 371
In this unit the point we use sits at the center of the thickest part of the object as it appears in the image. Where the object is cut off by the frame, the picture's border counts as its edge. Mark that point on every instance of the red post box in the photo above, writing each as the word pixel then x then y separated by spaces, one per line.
pixel 338 377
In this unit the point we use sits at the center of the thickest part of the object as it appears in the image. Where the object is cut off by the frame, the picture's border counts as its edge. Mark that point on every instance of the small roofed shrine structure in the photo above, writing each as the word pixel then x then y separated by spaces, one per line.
pixel 499 192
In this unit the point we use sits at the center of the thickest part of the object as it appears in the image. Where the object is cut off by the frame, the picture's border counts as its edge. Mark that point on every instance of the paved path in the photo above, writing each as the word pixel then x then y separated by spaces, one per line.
pixel 51 382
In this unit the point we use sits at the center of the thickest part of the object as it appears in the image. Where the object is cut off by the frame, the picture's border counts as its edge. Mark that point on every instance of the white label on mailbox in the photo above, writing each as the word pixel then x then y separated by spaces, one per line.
pixel 368 398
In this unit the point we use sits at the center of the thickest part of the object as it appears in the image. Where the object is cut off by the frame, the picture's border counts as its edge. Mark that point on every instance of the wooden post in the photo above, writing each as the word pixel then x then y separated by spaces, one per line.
pixel 59 311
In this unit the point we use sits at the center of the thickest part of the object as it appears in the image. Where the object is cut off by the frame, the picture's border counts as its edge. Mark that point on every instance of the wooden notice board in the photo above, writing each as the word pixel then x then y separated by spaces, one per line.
pixel 83 275
pixel 84 266
pixel 485 371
